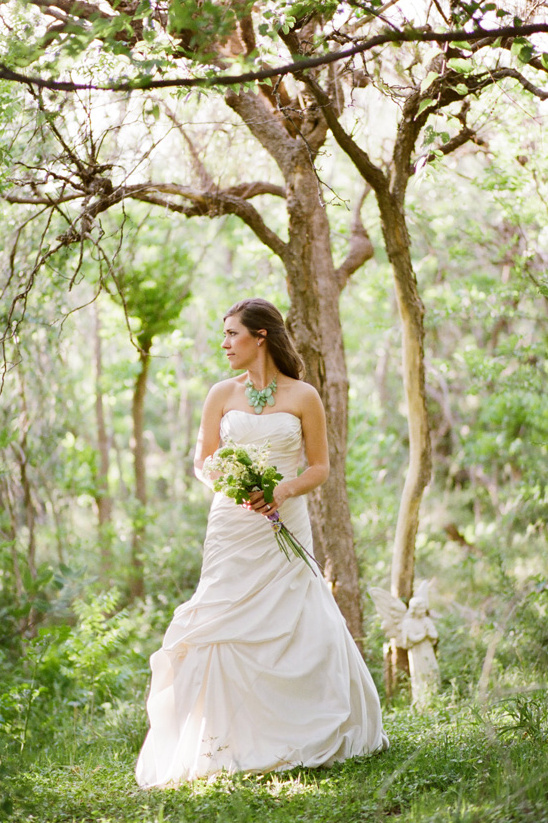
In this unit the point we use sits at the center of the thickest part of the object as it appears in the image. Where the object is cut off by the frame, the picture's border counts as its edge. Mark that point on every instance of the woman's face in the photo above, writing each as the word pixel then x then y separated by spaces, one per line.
pixel 239 344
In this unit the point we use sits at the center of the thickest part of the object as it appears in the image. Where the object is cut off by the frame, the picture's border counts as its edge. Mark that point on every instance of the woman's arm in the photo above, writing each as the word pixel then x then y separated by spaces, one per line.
pixel 209 434
pixel 317 456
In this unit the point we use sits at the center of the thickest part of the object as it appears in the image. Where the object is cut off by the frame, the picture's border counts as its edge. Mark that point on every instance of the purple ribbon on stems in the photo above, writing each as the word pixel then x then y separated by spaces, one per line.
pixel 287 542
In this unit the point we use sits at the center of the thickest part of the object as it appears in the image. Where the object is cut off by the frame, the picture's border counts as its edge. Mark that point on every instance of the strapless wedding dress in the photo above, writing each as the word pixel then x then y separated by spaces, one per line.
pixel 257 671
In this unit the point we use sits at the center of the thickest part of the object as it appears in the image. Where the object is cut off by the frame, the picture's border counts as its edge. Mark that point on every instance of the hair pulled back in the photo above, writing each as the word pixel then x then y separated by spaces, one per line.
pixel 255 314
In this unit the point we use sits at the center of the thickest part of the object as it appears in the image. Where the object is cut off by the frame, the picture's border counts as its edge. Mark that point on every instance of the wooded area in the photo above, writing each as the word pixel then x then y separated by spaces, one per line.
pixel 380 173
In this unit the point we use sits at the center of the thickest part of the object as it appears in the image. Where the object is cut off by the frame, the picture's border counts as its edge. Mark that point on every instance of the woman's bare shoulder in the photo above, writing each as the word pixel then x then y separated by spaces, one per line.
pixel 225 387
pixel 220 394
pixel 304 391
pixel 303 396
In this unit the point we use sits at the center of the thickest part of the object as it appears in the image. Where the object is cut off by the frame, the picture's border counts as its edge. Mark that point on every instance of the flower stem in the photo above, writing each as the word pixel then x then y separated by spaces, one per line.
pixel 287 542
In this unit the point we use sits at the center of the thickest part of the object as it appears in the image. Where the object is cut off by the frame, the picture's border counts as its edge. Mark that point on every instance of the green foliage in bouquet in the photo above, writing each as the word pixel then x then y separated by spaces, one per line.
pixel 243 471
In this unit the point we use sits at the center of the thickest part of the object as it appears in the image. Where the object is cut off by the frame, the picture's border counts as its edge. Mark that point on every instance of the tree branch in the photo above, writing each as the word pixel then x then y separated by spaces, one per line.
pixel 361 248
pixel 216 204
pixel 70 11
pixel 464 135
pixel 249 190
pixel 75 7
pixel 265 126
pixel 442 92
pixel 408 131
pixel 41 200
pixel 232 200
pixel 297 67
pixel 499 74
pixel 372 174
pixel 245 191
pixel 202 173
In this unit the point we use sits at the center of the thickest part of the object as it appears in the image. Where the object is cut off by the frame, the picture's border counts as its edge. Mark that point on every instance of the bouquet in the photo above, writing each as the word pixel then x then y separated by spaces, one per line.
pixel 236 471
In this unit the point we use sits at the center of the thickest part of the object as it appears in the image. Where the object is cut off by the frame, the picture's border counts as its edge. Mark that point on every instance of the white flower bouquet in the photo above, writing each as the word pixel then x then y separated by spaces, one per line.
pixel 236 471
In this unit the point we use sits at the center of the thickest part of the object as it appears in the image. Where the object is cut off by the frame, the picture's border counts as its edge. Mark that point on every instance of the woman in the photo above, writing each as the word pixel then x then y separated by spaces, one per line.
pixel 257 671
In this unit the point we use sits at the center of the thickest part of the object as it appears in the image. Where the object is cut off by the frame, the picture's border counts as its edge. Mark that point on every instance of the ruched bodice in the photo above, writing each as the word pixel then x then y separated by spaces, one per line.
pixel 280 430
pixel 257 671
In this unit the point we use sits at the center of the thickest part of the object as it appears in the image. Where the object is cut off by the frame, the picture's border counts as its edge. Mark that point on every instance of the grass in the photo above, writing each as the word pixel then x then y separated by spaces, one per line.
pixel 72 721
pixel 456 763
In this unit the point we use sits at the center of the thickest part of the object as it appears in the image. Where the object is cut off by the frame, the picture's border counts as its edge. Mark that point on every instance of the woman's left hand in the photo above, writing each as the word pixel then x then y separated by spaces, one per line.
pixel 258 504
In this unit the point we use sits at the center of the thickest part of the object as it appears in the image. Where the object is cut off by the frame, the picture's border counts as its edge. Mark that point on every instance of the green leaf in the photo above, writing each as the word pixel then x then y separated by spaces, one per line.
pixel 429 79
pixel 544 60
pixel 7 437
pixel 460 65
pixel 522 49
pixel 424 104
pixel 543 288
pixel 153 111
pixel 525 53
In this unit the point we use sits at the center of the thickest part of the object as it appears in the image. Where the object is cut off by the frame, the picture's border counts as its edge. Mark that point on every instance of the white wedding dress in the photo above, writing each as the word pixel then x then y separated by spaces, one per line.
pixel 257 671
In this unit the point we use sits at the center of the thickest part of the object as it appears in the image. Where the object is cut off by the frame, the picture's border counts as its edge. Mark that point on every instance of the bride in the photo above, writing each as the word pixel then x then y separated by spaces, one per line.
pixel 257 671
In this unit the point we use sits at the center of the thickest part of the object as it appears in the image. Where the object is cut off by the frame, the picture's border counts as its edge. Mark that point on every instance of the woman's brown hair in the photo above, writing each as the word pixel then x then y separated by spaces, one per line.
pixel 255 314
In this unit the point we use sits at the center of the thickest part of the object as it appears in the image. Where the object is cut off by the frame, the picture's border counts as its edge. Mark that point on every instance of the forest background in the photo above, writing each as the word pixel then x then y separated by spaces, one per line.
pixel 112 309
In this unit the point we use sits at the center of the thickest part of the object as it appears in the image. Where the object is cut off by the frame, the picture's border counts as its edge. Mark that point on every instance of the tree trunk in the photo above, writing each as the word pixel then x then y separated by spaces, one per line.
pixel 314 288
pixel 315 324
pixel 103 499
pixel 8 532
pixel 21 451
pixel 137 583
pixel 411 312
pixel 390 193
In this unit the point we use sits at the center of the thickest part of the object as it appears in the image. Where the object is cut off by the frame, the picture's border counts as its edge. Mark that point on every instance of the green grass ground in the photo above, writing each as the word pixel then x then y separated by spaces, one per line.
pixel 456 763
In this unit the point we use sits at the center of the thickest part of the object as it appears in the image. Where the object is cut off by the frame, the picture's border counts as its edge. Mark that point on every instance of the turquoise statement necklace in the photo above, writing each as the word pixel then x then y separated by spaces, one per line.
pixel 259 398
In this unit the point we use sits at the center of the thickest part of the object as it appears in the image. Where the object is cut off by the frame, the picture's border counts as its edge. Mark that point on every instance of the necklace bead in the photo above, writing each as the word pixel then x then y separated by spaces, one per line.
pixel 259 398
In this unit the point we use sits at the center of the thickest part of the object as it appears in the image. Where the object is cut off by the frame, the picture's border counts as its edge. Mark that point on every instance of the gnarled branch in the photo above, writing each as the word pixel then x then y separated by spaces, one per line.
pixel 215 204
pixel 361 248
pixel 265 126
pixel 499 74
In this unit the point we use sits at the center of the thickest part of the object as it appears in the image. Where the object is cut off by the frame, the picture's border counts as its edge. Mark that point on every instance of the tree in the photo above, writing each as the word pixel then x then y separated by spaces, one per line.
pixel 314 284
pixel 153 294
pixel 103 498
pixel 291 120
